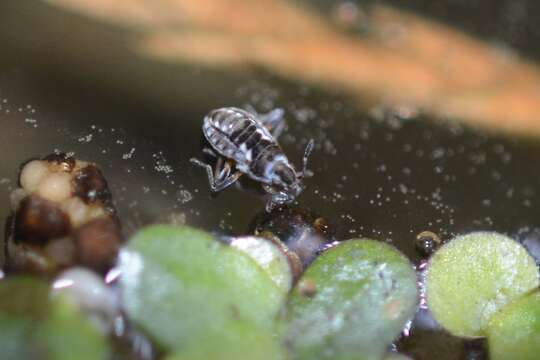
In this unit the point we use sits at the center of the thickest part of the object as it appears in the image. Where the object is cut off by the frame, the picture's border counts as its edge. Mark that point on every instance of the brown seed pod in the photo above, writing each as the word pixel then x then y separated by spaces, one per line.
pixel 60 162
pixel 307 287
pixel 302 231
pixel 63 215
pixel 38 220
pixel 427 242
pixel 28 258
pixel 91 186
pixel 97 243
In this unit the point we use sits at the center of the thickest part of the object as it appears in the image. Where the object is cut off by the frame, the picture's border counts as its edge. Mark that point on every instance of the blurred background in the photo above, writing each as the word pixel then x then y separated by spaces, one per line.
pixel 425 114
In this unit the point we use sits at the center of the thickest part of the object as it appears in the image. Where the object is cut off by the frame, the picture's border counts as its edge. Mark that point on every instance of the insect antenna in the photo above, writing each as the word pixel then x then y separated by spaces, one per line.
pixel 307 152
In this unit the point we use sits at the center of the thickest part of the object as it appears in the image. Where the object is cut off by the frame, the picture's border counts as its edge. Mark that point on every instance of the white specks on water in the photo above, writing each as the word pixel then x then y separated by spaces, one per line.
pixel 160 163
pixel 394 115
pixel 329 147
pixel 438 153
pixel 32 122
pixel 86 138
pixel 304 114
pixel 183 196
pixel 177 218
pixel 403 188
pixel 129 154
pixel 259 93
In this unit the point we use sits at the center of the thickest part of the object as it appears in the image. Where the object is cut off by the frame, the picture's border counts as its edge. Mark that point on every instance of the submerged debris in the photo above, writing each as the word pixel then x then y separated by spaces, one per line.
pixel 62 215
pixel 304 232
pixel 426 243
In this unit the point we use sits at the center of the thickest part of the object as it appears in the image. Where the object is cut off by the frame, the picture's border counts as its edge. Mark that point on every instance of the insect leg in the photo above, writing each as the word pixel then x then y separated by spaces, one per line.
pixel 277 197
pixel 226 182
pixel 219 169
pixel 276 132
pixel 269 188
pixel 223 177
pixel 251 109
pixel 220 177
pixel 209 151
pixel 209 171
pixel 274 121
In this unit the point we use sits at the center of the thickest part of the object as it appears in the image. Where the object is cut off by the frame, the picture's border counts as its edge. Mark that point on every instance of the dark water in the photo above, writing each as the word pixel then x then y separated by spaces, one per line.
pixel 376 174
pixel 382 173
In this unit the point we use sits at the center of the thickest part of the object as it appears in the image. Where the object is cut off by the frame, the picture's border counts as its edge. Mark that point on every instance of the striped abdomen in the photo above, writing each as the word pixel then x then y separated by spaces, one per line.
pixel 238 135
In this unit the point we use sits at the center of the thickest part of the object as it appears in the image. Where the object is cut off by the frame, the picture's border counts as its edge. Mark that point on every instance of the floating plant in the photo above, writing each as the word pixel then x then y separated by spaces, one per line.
pixel 474 276
pixel 351 302
pixel 198 297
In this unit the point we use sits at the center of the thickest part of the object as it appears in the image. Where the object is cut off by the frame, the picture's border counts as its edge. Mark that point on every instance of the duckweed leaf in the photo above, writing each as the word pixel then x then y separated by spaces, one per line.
pixel 270 257
pixel 250 342
pixel 187 290
pixel 396 356
pixel 23 304
pixel 475 275
pixel 351 302
pixel 14 342
pixel 32 326
pixel 70 336
pixel 514 332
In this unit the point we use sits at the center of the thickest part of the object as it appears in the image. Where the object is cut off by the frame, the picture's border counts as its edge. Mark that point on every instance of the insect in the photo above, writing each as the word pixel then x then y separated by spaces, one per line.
pixel 247 142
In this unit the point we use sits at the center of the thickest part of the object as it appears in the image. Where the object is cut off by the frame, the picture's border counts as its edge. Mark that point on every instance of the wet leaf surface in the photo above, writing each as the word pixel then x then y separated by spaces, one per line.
pixel 196 295
pixel 33 326
pixel 358 284
pixel 514 333
pixel 473 276
pixel 271 257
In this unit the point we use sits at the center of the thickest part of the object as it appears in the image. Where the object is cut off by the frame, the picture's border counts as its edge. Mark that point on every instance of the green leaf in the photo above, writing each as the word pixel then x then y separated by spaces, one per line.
pixel 14 339
pixel 239 341
pixel 24 304
pixel 32 326
pixel 69 335
pixel 396 356
pixel 270 256
pixel 474 276
pixel 351 302
pixel 190 292
pixel 514 332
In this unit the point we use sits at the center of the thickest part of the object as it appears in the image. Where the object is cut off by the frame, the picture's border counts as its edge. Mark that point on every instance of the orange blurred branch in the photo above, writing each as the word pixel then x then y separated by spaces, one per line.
pixel 405 59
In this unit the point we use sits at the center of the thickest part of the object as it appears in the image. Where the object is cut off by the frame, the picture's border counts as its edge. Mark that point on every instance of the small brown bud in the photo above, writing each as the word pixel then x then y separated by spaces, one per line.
pixel 97 243
pixel 38 220
pixel 91 186
pixel 60 162
pixel 307 287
